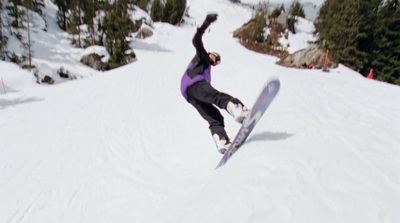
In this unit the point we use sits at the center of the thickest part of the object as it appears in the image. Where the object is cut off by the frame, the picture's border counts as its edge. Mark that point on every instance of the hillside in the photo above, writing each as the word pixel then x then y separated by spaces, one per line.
pixel 124 145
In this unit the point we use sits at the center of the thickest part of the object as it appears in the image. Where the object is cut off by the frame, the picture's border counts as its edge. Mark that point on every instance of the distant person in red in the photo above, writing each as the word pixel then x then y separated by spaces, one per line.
pixel 371 74
pixel 197 90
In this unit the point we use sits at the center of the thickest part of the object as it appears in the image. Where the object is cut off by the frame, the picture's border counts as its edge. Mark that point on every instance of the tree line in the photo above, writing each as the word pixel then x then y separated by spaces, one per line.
pixel 263 13
pixel 107 23
pixel 363 35
pixel 17 22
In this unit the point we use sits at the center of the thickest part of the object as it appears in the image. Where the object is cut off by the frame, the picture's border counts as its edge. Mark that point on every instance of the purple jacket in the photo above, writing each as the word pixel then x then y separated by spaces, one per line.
pixel 199 68
pixel 186 81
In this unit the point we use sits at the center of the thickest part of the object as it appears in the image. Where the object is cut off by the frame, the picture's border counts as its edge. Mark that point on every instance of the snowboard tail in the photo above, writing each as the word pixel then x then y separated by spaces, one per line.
pixel 264 100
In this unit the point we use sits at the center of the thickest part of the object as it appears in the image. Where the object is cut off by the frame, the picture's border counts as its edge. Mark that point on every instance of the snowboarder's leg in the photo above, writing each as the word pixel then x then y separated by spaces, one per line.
pixel 212 115
pixel 204 92
pixel 216 123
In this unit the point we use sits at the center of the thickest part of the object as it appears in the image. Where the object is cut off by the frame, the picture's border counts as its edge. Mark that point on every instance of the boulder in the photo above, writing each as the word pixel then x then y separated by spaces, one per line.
pixel 144 32
pixel 48 80
pixel 94 61
pixel 310 56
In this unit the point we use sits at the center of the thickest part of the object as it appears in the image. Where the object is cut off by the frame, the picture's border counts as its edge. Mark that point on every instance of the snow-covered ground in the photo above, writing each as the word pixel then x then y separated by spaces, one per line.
pixel 315 2
pixel 301 40
pixel 124 146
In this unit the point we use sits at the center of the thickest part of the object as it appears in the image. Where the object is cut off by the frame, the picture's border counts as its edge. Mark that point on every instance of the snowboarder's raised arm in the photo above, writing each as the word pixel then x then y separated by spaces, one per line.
pixel 197 39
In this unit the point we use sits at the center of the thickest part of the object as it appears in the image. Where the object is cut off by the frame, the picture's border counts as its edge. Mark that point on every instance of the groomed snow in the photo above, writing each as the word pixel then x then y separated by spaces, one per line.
pixel 124 145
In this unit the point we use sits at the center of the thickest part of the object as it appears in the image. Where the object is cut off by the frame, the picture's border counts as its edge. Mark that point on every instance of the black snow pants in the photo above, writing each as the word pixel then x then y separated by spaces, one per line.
pixel 204 98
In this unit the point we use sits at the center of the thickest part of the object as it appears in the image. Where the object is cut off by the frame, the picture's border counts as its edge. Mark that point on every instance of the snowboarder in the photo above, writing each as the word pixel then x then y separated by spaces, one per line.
pixel 197 90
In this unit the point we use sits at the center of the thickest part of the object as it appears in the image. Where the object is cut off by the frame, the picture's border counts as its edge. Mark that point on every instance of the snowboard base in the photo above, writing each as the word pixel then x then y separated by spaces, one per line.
pixel 264 100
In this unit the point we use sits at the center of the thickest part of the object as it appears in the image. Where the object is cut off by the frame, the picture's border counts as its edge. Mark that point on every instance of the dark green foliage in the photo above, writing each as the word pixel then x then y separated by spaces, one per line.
pixel 173 11
pixel 143 4
pixel 276 13
pixel 15 13
pixel 63 7
pixel 386 59
pixel 260 24
pixel 75 21
pixel 89 9
pixel 157 10
pixel 170 12
pixel 35 5
pixel 363 34
pixel 118 26
pixel 296 9
pixel 3 39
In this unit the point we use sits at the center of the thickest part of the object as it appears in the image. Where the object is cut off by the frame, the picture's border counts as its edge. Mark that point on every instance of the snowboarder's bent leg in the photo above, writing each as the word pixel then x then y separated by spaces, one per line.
pixel 216 121
pixel 204 92
pixel 212 115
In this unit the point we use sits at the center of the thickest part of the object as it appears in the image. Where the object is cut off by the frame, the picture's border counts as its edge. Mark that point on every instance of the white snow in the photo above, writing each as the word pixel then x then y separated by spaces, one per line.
pixel 124 146
pixel 301 40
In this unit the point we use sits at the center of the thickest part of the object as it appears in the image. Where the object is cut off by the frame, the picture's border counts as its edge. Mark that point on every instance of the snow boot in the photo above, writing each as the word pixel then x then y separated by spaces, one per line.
pixel 238 111
pixel 222 144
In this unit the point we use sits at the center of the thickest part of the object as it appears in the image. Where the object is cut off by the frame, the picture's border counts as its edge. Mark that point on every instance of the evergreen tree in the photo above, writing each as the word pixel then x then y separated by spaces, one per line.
pixel 36 6
pixel 262 5
pixel 260 24
pixel 296 9
pixel 157 9
pixel 282 8
pixel 173 11
pixel 346 28
pixel 63 8
pixel 89 9
pixel 143 4
pixel 75 21
pixel 3 39
pixel 15 13
pixel 118 26
pixel 29 6
pixel 276 13
pixel 386 55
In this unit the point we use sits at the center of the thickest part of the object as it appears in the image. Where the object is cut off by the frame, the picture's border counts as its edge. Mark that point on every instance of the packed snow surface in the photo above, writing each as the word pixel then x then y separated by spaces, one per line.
pixel 124 145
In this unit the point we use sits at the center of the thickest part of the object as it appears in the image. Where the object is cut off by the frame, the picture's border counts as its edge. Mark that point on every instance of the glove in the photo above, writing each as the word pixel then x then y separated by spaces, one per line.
pixel 211 18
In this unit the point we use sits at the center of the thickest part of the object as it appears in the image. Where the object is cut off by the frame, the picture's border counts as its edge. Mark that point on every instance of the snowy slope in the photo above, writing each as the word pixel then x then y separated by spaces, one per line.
pixel 304 34
pixel 124 146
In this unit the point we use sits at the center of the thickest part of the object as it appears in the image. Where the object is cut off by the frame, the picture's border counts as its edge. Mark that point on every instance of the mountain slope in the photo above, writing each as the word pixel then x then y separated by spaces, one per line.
pixel 124 146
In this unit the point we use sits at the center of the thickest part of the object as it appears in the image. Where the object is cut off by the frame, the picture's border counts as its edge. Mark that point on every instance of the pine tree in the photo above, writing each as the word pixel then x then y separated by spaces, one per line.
pixel 143 4
pixel 63 8
pixel 346 28
pixel 89 8
pixel 260 24
pixel 29 6
pixel 37 6
pixel 75 22
pixel 156 11
pixel 3 39
pixel 173 11
pixel 296 9
pixel 118 26
pixel 386 63
pixel 15 13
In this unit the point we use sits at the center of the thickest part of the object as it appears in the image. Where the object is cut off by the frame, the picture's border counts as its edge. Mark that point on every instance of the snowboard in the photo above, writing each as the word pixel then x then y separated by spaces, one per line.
pixel 264 100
